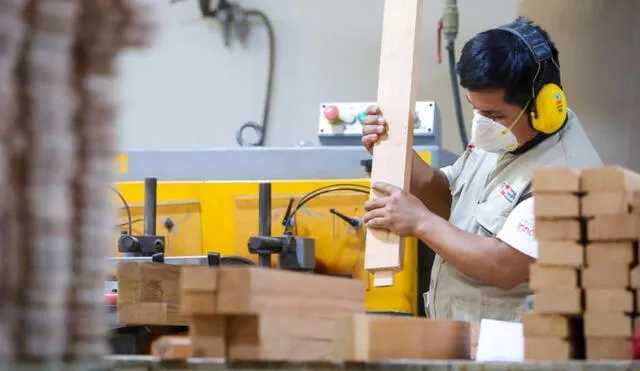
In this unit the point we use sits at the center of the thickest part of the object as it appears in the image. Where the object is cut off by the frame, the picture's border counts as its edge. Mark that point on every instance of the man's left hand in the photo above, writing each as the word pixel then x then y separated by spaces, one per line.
pixel 395 210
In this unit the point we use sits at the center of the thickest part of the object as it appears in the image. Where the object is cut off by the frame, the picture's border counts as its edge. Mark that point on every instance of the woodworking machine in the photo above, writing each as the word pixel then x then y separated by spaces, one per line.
pixel 208 206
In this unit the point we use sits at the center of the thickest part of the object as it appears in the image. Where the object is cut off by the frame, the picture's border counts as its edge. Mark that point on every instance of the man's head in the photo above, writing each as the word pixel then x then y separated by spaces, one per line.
pixel 497 69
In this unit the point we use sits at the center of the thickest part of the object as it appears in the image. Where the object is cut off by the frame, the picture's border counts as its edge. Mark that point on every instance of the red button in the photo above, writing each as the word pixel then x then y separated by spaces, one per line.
pixel 331 113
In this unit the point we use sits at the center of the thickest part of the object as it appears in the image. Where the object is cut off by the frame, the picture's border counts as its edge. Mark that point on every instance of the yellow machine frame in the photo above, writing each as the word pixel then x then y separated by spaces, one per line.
pixel 221 216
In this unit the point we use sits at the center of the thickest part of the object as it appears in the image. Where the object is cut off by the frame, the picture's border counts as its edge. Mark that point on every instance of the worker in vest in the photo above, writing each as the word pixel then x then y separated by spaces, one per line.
pixel 477 215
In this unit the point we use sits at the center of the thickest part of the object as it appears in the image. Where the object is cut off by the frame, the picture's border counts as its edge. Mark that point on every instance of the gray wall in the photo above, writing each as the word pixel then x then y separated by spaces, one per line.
pixel 188 91
pixel 599 43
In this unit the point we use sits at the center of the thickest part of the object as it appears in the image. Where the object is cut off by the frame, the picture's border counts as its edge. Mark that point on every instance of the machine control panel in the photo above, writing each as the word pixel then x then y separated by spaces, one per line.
pixel 345 119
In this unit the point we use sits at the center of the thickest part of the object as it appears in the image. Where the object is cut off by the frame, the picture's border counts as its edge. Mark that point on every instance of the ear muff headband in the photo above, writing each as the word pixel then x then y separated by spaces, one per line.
pixel 549 110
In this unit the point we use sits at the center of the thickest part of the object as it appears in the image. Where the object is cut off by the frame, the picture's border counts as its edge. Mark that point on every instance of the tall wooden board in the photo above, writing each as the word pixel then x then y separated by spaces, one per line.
pixel 397 87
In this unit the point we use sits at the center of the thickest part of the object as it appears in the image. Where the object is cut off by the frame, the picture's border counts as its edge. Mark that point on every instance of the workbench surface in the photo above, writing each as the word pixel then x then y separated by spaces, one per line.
pixel 143 363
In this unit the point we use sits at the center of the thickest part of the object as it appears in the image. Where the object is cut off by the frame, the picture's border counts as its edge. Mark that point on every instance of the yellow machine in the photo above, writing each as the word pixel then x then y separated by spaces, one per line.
pixel 198 217
pixel 207 200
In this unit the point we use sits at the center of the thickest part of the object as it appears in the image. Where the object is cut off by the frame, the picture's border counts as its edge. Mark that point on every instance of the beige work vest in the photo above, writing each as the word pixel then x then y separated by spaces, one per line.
pixel 480 205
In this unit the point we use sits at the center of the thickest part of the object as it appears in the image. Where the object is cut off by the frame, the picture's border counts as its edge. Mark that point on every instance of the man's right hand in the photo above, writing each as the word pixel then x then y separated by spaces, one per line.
pixel 373 126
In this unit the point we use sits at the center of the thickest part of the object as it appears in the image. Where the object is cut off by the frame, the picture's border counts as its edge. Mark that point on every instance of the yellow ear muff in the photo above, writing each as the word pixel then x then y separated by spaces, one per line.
pixel 550 109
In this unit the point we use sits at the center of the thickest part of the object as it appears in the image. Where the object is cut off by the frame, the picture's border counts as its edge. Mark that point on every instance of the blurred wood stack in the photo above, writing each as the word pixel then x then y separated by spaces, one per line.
pixel 149 294
pixel 57 62
pixel 612 207
pixel 252 314
pixel 554 330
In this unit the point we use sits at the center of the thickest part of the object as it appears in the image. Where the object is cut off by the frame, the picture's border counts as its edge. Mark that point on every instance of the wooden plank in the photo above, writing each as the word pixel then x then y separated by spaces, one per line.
pixel 609 178
pixel 397 86
pixel 371 338
pixel 610 300
pixel 605 276
pixel 556 206
pixel 617 227
pixel 546 325
pixel 548 349
pixel 558 301
pixel 555 180
pixel 609 348
pixel 560 253
pixel 551 277
pixel 172 348
pixel 272 291
pixel 610 202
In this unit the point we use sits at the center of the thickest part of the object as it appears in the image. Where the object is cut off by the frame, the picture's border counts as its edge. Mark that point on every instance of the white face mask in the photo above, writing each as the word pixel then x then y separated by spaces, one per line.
pixel 492 136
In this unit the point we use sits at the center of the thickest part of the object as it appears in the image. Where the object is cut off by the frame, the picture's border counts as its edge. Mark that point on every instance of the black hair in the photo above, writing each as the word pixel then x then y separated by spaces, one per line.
pixel 497 59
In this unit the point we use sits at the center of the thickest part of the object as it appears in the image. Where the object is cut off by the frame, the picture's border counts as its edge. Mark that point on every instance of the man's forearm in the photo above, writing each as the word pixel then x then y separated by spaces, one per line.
pixel 431 186
pixel 484 259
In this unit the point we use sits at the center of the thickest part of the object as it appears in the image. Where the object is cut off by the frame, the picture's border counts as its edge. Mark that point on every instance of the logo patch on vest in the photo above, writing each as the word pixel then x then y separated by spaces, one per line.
pixel 507 192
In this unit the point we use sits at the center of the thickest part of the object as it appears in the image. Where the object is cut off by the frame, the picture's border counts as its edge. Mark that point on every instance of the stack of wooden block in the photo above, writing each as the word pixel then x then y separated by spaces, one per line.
pixel 587 274
pixel 252 314
pixel 611 205
pixel 149 294
pixel 554 330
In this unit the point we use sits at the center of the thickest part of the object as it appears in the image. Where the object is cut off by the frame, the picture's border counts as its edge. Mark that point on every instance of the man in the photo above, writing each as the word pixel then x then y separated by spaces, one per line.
pixel 477 215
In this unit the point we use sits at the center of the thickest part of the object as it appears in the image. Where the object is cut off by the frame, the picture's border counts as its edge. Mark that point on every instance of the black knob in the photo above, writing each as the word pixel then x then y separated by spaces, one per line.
pixel 213 259
pixel 157 258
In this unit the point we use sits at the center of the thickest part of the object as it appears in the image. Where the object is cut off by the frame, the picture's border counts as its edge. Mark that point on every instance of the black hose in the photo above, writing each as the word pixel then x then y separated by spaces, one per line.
pixel 451 52
pixel 261 129
pixel 126 207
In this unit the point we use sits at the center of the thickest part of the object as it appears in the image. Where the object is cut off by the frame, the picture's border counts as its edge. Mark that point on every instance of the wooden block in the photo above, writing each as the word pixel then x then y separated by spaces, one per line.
pixel 274 291
pixel 266 327
pixel 558 230
pixel 149 314
pixel 605 277
pixel 280 350
pixel 560 253
pixel 547 349
pixel 370 338
pixel 605 348
pixel 172 347
pixel 208 347
pixel 474 330
pixel 129 279
pixel 397 87
pixel 198 303
pixel 558 301
pixel 160 283
pixel 621 254
pixel 208 336
pixel 555 180
pixel 556 206
pixel 610 202
pixel 279 338
pixel 609 300
pixel 198 278
pixel 549 277
pixel 609 178
pixel 612 324
pixel 537 325
pixel 619 227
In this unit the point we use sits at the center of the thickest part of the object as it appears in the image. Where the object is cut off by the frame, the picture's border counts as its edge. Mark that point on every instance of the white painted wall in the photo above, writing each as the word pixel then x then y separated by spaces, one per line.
pixel 188 91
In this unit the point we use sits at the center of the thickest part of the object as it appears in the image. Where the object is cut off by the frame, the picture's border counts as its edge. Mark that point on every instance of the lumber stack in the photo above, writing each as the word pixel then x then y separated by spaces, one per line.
pixel 57 66
pixel 611 207
pixel 554 330
pixel 149 294
pixel 256 314
pixel 586 277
